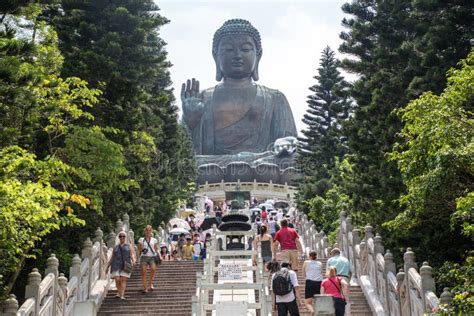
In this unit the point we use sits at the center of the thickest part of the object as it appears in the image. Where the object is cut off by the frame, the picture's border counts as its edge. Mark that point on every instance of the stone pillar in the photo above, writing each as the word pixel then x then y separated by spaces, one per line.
pixel 389 267
pixel 427 282
pixel 10 306
pixel 52 265
pixel 32 288
pixel 355 241
pixel 363 257
pixel 401 291
pixel 409 260
pixel 368 232
pixel 378 246
pixel 341 232
pixel 131 235
pixel 325 245
pixel 446 298
pixel 87 253
pixel 323 305
pixel 111 239
pixel 98 237
pixel 62 283
pixel 126 222
pixel 75 271
pixel 118 226
pixel 389 264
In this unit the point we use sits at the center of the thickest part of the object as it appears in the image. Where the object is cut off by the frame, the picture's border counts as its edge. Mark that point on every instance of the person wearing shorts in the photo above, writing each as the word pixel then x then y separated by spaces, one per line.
pixel 313 274
pixel 289 242
pixel 148 250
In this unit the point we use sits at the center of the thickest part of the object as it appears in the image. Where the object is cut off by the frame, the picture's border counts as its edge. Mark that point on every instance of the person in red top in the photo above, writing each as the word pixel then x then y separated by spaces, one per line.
pixel 289 242
pixel 264 214
pixel 333 286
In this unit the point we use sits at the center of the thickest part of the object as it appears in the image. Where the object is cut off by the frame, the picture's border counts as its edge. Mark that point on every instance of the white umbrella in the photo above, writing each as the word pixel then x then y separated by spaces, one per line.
pixel 180 223
pixel 179 230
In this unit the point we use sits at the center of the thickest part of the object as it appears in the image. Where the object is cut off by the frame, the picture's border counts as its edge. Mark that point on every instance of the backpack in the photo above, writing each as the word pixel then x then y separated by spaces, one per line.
pixel 281 284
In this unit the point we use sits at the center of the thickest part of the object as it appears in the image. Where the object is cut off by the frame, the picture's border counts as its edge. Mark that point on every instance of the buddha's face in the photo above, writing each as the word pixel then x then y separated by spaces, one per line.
pixel 237 56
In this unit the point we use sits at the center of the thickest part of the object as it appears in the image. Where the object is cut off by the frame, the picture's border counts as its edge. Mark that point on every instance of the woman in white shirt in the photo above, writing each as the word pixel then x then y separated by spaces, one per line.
pixel 148 250
pixel 313 274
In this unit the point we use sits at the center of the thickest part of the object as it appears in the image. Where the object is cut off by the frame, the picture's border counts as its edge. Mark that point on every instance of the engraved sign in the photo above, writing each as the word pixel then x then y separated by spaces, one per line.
pixel 230 271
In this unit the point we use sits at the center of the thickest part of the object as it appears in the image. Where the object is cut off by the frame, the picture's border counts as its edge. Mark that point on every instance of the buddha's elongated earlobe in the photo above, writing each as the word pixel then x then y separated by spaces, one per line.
pixel 255 70
pixel 219 74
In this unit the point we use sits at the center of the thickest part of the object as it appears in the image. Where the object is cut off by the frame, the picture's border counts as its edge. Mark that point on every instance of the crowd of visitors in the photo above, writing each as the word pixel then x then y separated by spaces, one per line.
pixel 276 233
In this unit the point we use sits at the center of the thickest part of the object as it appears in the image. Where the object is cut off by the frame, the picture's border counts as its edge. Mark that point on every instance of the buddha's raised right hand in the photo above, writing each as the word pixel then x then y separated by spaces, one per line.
pixel 192 102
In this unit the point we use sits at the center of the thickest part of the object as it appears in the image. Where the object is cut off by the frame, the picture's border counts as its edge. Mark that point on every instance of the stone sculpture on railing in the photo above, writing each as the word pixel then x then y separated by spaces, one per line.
pixel 87 286
pixel 411 291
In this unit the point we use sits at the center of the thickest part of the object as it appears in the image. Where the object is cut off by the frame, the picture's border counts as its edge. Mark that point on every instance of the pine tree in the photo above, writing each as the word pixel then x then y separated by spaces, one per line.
pixel 116 47
pixel 392 49
pixel 323 144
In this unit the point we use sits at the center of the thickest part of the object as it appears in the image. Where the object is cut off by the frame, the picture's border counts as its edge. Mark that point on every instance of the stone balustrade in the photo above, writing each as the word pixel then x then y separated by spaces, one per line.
pixel 88 283
pixel 260 190
pixel 411 291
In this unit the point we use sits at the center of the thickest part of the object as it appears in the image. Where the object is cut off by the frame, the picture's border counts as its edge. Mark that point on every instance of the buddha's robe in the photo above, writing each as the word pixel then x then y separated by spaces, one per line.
pixel 267 119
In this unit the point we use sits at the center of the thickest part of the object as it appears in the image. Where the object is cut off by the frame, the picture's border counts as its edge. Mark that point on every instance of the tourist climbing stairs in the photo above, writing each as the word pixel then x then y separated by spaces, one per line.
pixel 358 305
pixel 175 284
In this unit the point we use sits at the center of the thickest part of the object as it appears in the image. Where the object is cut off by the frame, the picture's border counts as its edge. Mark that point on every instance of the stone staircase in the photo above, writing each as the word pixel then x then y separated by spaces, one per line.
pixel 175 284
pixel 358 306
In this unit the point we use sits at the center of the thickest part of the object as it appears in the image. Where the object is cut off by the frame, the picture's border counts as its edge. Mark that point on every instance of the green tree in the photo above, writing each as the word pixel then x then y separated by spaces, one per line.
pixel 116 46
pixel 322 143
pixel 398 52
pixel 56 166
pixel 436 159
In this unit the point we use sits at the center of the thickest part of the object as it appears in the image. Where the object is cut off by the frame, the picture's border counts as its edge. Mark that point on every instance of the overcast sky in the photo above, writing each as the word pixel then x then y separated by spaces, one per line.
pixel 293 34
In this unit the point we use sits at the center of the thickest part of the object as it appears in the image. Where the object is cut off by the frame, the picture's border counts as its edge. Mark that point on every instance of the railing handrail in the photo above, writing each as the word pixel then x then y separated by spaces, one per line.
pixel 54 294
pixel 376 267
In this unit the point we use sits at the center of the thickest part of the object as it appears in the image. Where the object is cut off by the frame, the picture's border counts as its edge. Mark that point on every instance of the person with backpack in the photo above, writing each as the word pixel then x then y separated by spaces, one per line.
pixel 334 285
pixel 285 289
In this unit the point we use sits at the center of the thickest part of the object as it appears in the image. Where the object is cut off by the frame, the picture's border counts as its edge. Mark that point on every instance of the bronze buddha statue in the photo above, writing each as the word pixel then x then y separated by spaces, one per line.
pixel 237 120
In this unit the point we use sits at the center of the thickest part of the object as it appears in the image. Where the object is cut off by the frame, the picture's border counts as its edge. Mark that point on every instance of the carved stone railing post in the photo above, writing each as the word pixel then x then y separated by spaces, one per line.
pixel 409 260
pixel 341 232
pixel 427 283
pixel 389 264
pixel 111 239
pixel 52 267
pixel 446 298
pixel 378 246
pixel 388 268
pixel 62 284
pixel 368 232
pixel 355 241
pixel 325 244
pixel 118 226
pixel 363 257
pixel 32 288
pixel 378 249
pixel 10 306
pixel 87 253
pixel 401 291
pixel 125 222
pixel 99 237
pixel 75 271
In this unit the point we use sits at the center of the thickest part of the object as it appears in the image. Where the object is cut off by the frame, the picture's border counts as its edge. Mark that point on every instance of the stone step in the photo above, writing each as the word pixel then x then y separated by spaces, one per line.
pixel 175 284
